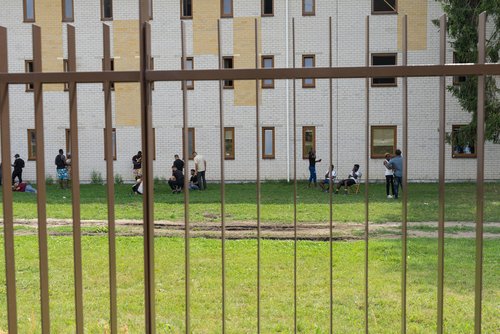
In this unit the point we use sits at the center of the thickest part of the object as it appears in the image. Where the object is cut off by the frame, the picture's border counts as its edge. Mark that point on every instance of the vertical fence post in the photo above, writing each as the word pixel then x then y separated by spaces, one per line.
pixel 257 125
pixel 40 177
pixel 8 214
pixel 480 174
pixel 405 179
pixel 367 162
pixel 442 138
pixel 294 185
pixel 330 176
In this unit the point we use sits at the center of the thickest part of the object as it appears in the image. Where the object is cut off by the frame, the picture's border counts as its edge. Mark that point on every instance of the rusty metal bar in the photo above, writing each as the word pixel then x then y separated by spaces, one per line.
pixel 294 185
pixel 330 184
pixel 8 214
pixel 75 183
pixel 481 47
pixel 257 127
pixel 110 182
pixel 147 168
pixel 40 180
pixel 222 182
pixel 367 162
pixel 186 191
pixel 405 179
pixel 253 74
pixel 442 155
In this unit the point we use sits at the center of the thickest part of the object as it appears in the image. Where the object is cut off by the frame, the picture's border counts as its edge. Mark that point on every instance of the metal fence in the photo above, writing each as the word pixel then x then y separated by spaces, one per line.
pixel 145 76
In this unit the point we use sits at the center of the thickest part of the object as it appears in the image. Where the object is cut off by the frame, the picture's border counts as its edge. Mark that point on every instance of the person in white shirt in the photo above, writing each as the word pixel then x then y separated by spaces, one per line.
pixel 389 177
pixel 353 178
pixel 200 167
pixel 330 174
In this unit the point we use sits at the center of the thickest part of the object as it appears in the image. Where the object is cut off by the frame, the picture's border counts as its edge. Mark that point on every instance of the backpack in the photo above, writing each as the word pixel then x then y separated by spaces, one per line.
pixel 59 162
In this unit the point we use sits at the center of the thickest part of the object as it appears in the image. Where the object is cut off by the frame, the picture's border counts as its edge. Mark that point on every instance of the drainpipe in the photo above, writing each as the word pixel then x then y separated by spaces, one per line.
pixel 287 59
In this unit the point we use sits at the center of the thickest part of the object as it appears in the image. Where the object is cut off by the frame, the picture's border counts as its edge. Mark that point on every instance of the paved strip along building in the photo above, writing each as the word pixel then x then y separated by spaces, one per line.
pixel 274 25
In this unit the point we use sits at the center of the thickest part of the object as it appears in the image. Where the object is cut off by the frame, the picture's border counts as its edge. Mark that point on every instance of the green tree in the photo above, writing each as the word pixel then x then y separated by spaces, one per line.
pixel 463 18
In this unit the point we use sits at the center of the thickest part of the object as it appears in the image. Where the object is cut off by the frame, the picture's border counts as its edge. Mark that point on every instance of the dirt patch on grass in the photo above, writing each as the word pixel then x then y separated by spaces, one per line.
pixel 249 230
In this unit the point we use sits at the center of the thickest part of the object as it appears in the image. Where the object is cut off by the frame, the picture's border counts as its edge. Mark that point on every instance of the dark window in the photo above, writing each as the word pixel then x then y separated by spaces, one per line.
pixel 106 9
pixel 460 144
pixel 29 10
pixel 186 9
pixel 31 144
pixel 68 141
pixel 191 142
pixel 228 63
pixel 267 62
pixel 383 140
pixel 226 8
pixel 28 68
pixel 229 143
pixel 113 143
pixel 308 7
pixel 267 7
pixel 268 143
pixel 111 68
pixel 384 6
pixel 66 69
pixel 457 80
pixel 384 59
pixel 308 140
pixel 152 67
pixel 308 61
pixel 67 11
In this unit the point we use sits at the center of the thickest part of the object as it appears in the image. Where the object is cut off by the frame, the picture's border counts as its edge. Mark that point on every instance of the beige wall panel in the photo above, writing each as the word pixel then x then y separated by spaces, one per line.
pixel 205 16
pixel 126 54
pixel 244 57
pixel 417 24
pixel 49 17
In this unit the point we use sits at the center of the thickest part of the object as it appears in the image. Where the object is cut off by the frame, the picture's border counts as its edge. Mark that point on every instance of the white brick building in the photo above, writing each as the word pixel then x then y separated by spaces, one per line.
pixel 312 33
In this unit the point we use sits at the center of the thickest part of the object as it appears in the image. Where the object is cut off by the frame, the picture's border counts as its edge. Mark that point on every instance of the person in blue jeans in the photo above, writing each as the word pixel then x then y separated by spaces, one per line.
pixel 396 164
pixel 312 167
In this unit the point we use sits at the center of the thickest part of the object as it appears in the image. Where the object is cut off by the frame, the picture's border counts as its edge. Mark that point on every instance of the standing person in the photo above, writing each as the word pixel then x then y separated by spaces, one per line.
pixel 389 177
pixel 353 178
pixel 68 165
pixel 178 163
pixel 62 172
pixel 18 169
pixel 396 164
pixel 312 167
pixel 137 162
pixel 200 166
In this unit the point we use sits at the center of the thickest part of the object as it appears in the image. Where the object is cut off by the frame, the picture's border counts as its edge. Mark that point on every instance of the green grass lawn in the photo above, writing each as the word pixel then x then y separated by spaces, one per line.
pixel 277 200
pixel 277 286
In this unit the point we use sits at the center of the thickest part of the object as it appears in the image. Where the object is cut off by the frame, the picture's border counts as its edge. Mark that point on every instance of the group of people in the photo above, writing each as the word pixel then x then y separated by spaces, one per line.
pixel 393 175
pixel 197 179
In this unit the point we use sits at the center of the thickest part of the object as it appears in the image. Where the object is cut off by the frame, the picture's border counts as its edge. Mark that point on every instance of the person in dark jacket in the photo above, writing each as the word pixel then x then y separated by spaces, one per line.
pixel 176 181
pixel 18 169
pixel 178 163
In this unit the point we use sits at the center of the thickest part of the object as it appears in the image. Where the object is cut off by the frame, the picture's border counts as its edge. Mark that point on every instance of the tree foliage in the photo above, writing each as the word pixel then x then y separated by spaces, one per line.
pixel 463 18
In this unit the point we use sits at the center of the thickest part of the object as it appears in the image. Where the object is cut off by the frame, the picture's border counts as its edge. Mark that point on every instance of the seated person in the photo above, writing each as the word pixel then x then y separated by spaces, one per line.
pixel 353 178
pixel 325 183
pixel 137 188
pixel 176 181
pixel 23 187
pixel 193 181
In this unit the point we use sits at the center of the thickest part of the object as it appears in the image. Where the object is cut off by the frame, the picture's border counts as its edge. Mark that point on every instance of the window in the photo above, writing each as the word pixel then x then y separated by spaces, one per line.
pixel 68 141
pixel 457 80
pixel 111 68
pixel 308 140
pixel 228 63
pixel 152 67
pixel 384 59
pixel 384 7
pixel 31 144
pixel 150 9
pixel 267 62
pixel 113 143
pixel 268 143
pixel 186 9
pixel 191 143
pixel 66 69
pixel 189 65
pixel 67 11
pixel 29 10
pixel 267 8
pixel 226 8
pixel 308 61
pixel 383 140
pixel 308 7
pixel 28 67
pixel 460 145
pixel 106 10
pixel 229 143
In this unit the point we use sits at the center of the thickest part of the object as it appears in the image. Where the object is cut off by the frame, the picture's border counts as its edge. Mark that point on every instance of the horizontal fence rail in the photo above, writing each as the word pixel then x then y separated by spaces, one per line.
pixel 146 77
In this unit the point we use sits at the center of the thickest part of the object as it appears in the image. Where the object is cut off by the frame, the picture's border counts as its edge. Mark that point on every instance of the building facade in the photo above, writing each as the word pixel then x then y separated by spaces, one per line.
pixel 275 19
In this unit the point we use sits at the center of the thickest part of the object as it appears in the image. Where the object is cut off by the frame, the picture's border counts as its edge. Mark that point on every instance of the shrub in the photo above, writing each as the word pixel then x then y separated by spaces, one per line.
pixel 96 177
pixel 118 179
